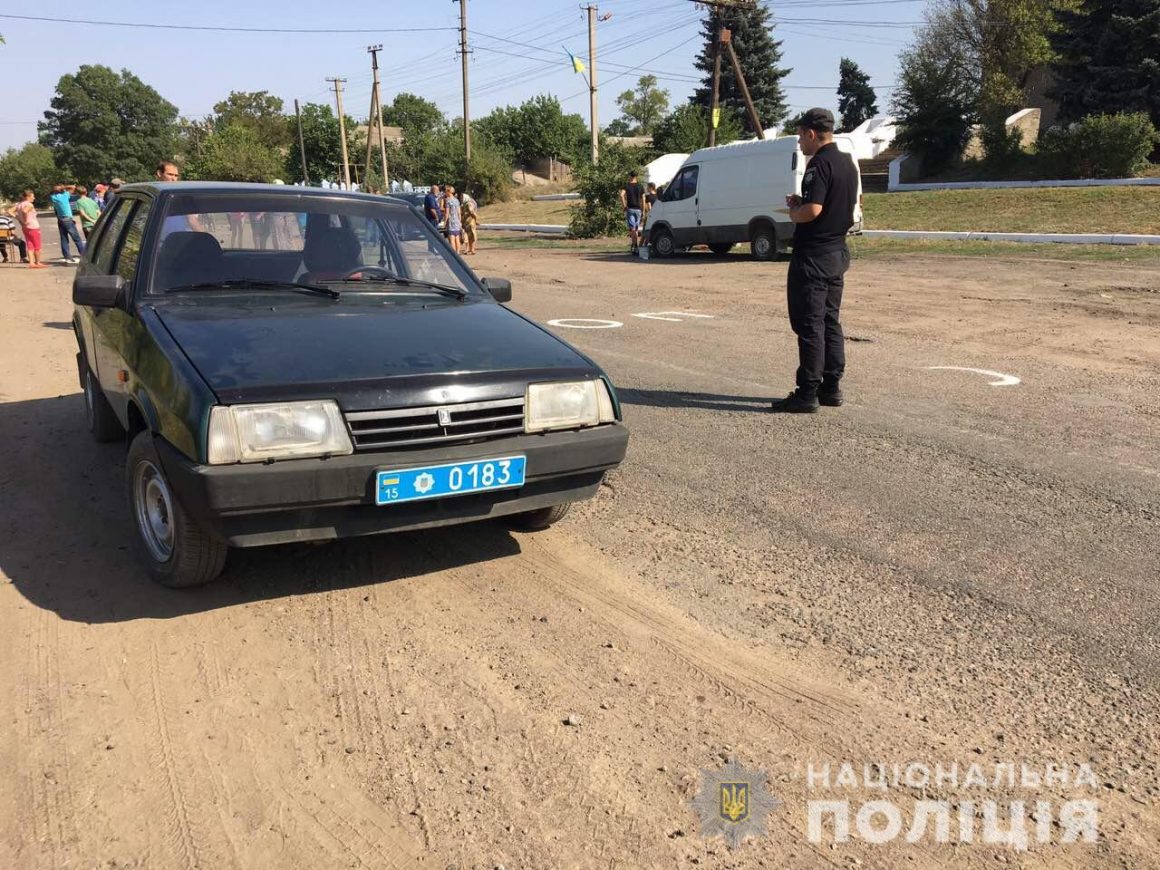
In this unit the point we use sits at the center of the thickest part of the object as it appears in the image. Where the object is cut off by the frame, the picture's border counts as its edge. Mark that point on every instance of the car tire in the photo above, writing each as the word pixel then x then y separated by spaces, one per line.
pixel 763 243
pixel 176 551
pixel 661 243
pixel 103 423
pixel 538 520
pixel 721 248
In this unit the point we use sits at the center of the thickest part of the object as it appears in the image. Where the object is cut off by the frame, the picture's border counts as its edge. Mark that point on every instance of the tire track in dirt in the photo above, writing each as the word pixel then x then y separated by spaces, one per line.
pixel 49 777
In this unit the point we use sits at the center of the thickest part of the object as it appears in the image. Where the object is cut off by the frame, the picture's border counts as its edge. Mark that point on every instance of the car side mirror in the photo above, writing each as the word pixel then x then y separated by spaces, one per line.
pixel 499 288
pixel 98 291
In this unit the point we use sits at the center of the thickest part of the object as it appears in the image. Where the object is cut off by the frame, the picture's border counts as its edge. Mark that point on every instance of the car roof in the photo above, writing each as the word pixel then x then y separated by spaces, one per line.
pixel 226 187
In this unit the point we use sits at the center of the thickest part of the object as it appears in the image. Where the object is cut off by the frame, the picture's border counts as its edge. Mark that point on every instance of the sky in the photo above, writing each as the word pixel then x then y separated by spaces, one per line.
pixel 518 50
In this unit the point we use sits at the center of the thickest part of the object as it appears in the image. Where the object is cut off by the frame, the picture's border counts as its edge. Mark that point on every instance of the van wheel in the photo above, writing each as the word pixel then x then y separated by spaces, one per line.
pixel 662 243
pixel 176 551
pixel 538 520
pixel 763 243
pixel 103 423
pixel 721 248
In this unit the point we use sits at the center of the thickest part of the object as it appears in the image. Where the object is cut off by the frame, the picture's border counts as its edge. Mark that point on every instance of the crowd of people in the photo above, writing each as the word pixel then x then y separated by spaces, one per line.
pixel 456 215
pixel 76 209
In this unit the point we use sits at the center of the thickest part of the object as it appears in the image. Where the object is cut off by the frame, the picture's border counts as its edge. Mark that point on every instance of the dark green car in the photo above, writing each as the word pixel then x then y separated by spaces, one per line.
pixel 293 364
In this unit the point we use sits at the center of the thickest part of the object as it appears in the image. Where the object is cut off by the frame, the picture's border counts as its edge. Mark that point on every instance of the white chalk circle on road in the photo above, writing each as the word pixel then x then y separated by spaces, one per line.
pixel 1001 380
pixel 584 323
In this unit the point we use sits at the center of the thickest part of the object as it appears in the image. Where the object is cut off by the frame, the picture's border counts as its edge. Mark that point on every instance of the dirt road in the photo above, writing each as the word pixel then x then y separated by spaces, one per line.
pixel 942 571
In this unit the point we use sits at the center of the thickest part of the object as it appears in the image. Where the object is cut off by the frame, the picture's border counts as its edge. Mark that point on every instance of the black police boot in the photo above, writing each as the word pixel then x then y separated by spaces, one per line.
pixel 794 403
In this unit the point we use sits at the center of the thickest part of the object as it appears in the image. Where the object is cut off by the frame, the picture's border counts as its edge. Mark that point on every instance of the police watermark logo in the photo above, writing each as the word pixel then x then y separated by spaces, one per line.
pixel 733 802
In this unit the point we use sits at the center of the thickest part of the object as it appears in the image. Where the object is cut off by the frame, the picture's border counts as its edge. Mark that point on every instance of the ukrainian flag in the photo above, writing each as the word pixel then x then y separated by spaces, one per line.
pixel 577 64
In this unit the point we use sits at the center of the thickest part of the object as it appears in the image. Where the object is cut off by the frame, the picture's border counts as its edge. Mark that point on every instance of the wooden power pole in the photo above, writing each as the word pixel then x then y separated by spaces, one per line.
pixel 723 40
pixel 714 106
pixel 301 143
pixel 375 120
pixel 338 83
pixel 592 10
pixel 463 52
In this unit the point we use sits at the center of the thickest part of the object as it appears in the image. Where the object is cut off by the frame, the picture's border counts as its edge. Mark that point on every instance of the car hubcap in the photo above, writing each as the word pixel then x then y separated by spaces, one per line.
pixel 762 246
pixel 154 509
pixel 664 245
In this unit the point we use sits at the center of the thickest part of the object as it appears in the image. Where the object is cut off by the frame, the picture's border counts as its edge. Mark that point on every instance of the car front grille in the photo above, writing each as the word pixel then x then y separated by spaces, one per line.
pixel 438 424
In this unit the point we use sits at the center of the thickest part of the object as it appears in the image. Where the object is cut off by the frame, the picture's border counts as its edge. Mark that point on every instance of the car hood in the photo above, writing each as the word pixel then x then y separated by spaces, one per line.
pixel 367 354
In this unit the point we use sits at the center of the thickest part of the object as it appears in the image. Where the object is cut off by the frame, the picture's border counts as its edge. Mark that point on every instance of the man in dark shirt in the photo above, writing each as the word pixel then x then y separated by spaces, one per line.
pixel 822 215
pixel 632 198
pixel 432 208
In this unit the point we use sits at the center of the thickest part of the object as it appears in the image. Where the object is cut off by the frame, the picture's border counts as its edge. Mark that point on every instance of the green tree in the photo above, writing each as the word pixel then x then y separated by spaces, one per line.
pixel 29 168
pixel 645 107
pixel 320 134
pixel 759 55
pixel 234 153
pixel 536 129
pixel 258 111
pixel 415 115
pixel 619 127
pixel 599 212
pixel 103 124
pixel 686 129
pixel 935 106
pixel 856 99
pixel 1108 59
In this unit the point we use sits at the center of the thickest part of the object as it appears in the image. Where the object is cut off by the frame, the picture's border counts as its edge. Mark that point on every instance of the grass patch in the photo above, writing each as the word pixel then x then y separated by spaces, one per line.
pixel 524 211
pixel 872 248
pixel 866 249
pixel 1030 210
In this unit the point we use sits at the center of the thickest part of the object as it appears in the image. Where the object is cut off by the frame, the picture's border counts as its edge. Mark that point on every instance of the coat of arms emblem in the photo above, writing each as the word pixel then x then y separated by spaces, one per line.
pixel 733 802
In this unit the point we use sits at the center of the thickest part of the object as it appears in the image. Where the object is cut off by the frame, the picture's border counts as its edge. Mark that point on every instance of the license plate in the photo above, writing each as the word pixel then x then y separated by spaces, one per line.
pixel 454 478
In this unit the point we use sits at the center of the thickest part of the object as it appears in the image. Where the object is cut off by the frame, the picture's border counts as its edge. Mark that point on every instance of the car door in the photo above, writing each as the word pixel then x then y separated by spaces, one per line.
pixel 116 330
pixel 682 208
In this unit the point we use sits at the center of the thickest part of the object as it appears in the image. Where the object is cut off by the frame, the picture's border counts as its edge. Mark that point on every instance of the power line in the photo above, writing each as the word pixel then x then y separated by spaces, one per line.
pixel 221 29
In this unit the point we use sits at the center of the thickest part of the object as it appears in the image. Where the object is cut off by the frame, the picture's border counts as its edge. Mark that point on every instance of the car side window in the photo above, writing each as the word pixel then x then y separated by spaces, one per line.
pixel 689 182
pixel 131 248
pixel 110 236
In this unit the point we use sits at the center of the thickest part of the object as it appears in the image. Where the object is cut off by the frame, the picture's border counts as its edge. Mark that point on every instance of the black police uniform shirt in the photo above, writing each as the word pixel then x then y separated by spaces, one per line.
pixel 831 181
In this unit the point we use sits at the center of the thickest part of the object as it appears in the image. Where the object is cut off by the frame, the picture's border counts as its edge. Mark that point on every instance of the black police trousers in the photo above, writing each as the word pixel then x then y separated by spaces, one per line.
pixel 814 291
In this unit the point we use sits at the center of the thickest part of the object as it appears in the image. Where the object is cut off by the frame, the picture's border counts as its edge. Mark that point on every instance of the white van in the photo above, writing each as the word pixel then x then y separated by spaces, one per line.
pixel 735 193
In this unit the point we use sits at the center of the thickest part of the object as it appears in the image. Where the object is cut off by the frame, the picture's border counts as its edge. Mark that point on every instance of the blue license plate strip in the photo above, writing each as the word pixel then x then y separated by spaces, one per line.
pixel 452 478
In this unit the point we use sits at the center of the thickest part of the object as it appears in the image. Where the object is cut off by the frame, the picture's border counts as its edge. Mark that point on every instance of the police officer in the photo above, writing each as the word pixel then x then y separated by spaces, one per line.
pixel 822 216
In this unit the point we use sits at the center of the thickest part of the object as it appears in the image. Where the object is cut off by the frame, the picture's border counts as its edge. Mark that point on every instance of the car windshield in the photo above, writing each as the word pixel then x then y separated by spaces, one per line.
pixel 212 239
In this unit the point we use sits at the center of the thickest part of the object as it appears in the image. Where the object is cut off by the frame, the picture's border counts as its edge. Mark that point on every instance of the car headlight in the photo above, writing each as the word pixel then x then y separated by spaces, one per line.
pixel 285 430
pixel 568 405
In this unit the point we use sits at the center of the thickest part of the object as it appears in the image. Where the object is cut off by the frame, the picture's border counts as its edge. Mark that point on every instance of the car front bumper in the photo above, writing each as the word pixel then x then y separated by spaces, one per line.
pixel 251 505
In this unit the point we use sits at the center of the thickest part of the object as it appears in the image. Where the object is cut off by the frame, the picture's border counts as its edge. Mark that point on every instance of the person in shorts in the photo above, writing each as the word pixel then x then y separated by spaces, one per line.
pixel 632 199
pixel 25 213
pixel 454 217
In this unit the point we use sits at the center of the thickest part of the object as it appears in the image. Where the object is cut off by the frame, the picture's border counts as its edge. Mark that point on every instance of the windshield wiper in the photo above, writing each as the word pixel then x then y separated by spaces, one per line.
pixel 262 283
pixel 457 292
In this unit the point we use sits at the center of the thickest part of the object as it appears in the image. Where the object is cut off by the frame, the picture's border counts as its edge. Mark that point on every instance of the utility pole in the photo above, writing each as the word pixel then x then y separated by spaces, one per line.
pixel 463 52
pixel 714 108
pixel 301 144
pixel 375 119
pixel 338 83
pixel 749 107
pixel 592 10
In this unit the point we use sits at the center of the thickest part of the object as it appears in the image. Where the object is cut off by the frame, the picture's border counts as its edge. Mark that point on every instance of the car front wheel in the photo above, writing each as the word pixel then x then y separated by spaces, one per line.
pixel 175 550
pixel 537 520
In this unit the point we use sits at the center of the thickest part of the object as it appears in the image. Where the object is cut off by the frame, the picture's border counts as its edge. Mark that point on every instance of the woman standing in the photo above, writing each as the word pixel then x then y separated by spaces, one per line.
pixel 454 219
pixel 25 212
pixel 470 221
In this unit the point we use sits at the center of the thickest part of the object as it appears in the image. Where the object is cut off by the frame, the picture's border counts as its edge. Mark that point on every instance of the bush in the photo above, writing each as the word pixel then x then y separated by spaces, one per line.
pixel 1100 146
pixel 934 105
pixel 600 212
pixel 29 168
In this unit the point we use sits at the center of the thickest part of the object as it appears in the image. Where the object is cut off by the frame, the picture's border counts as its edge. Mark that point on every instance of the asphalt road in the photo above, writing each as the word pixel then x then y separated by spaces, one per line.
pixel 942 571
